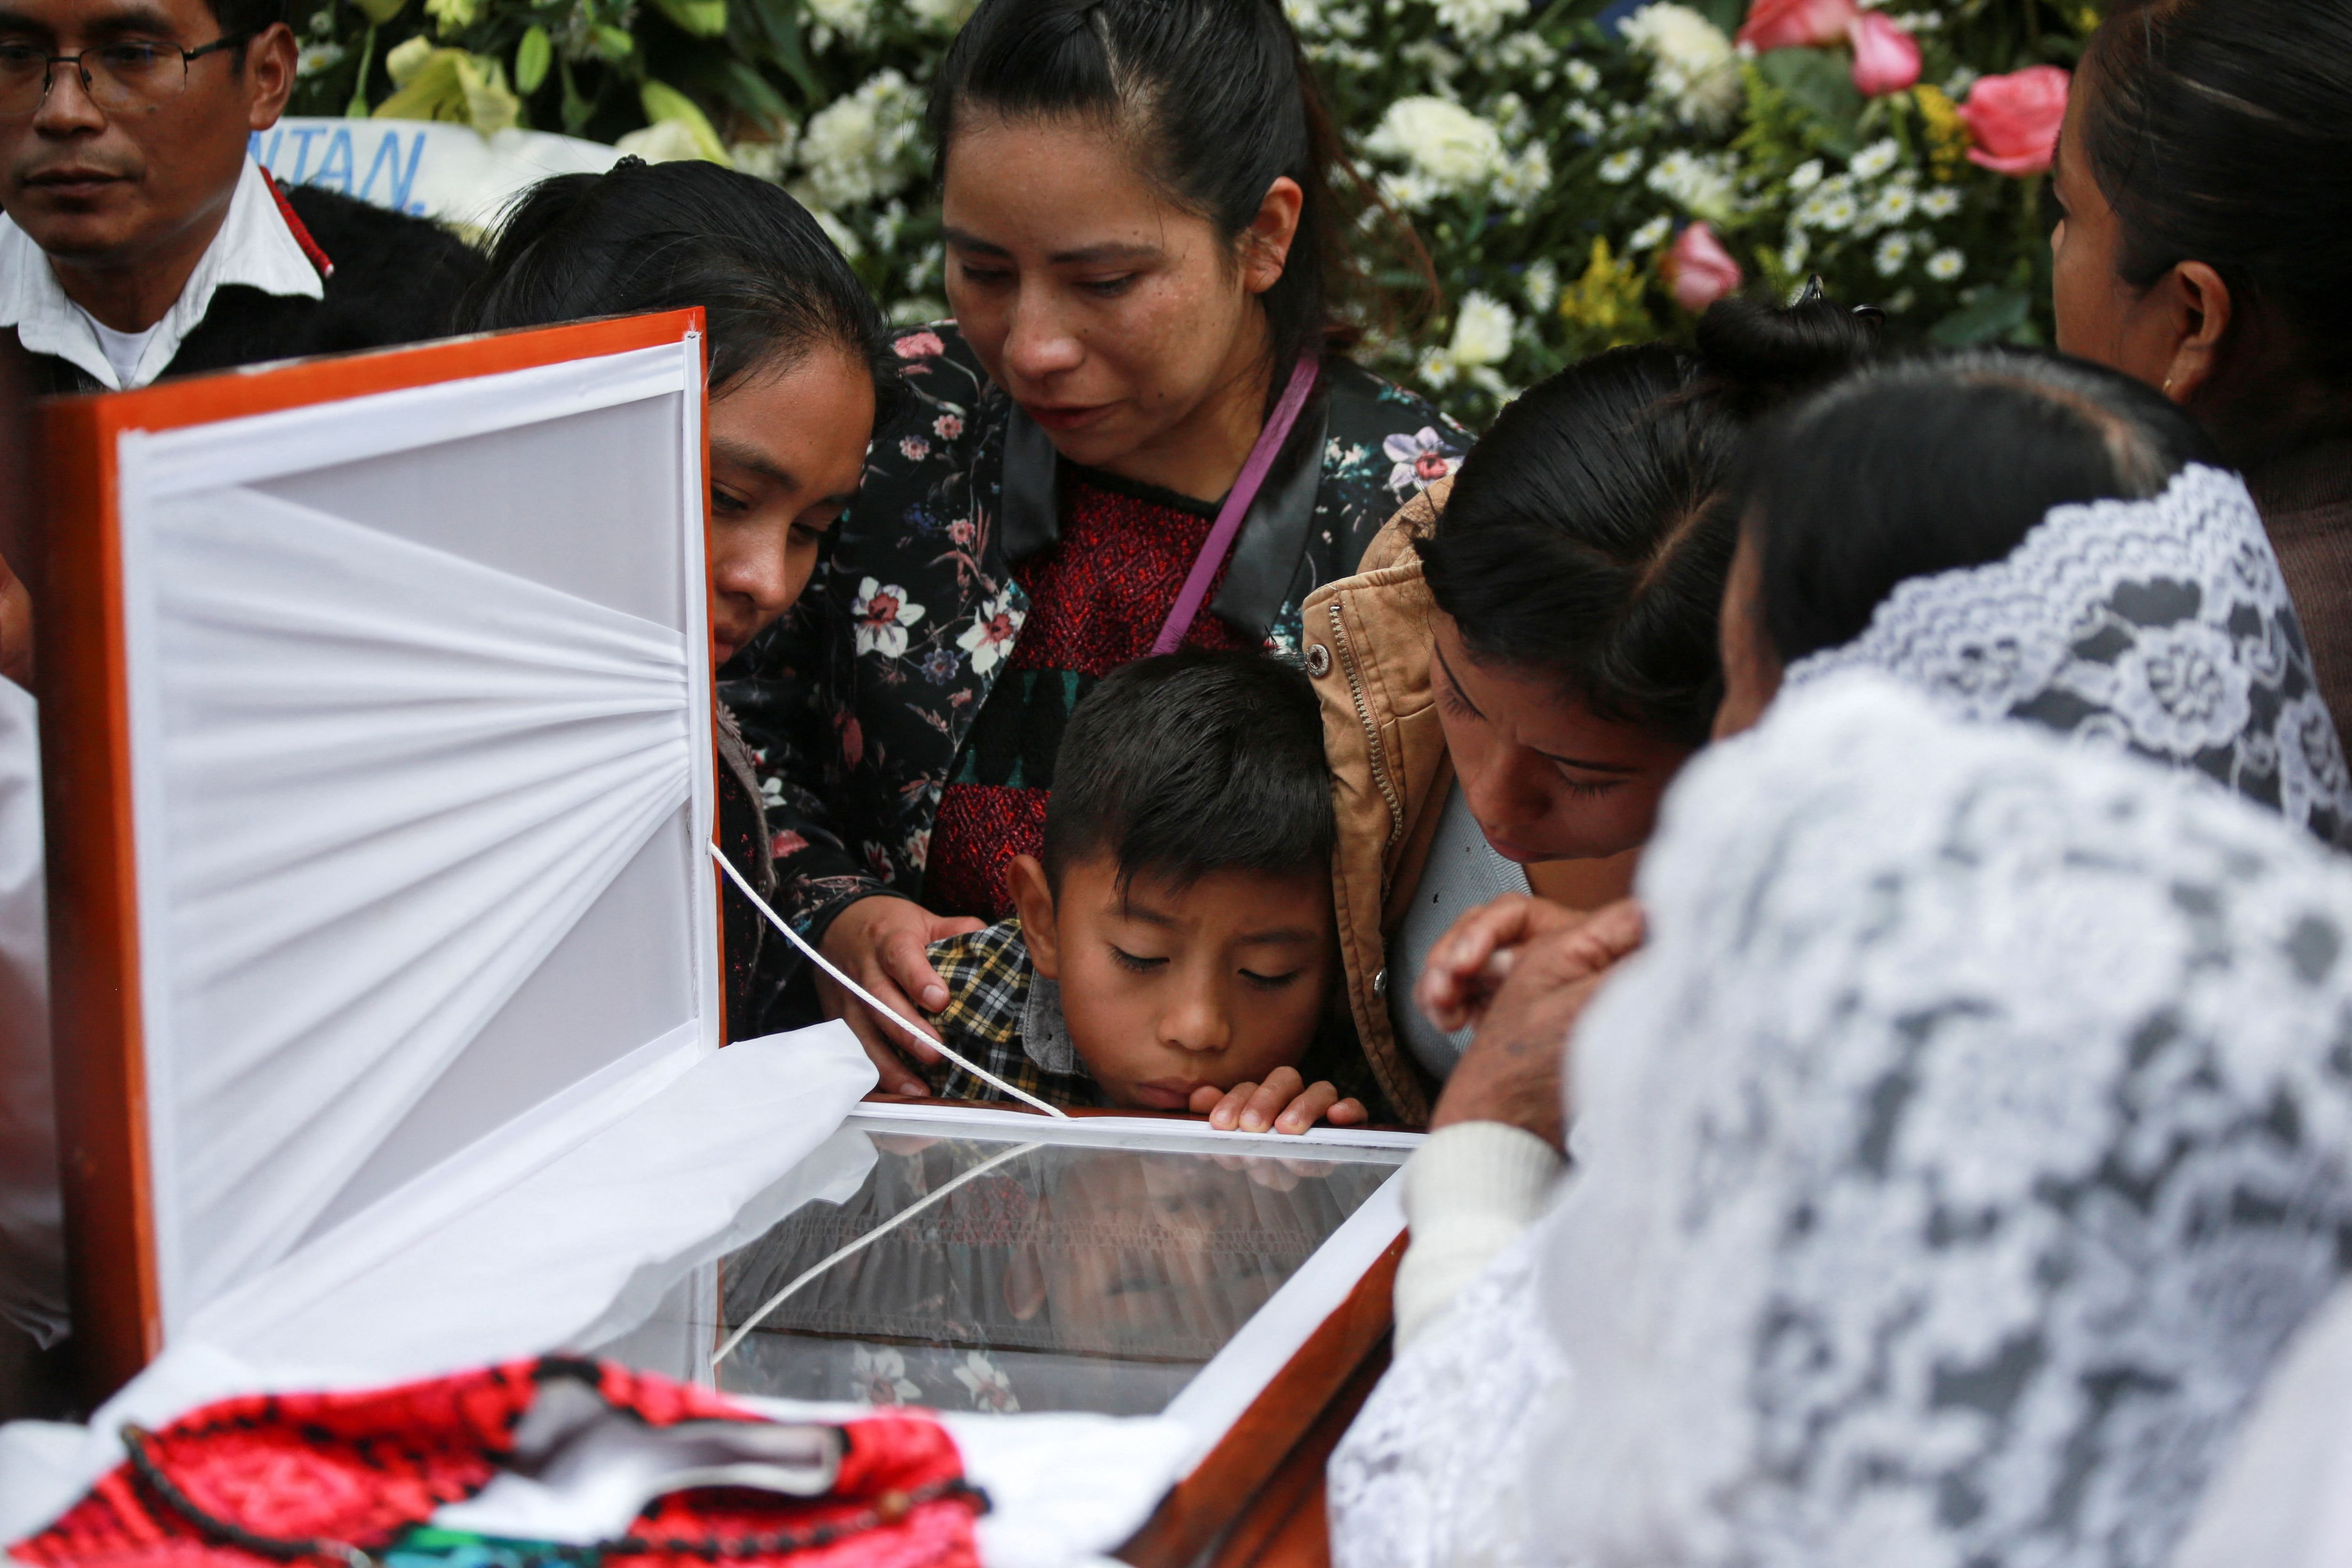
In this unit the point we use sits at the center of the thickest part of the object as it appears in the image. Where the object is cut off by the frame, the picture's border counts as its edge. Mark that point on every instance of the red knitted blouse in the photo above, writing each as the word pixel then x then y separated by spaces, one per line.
pixel 1097 597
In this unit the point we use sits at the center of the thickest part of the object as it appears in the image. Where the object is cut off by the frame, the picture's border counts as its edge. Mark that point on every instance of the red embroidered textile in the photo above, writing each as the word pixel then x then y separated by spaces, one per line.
pixel 359 1467
pixel 1095 601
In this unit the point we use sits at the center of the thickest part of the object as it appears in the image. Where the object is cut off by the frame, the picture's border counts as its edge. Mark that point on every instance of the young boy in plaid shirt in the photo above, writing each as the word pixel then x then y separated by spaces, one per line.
pixel 1175 948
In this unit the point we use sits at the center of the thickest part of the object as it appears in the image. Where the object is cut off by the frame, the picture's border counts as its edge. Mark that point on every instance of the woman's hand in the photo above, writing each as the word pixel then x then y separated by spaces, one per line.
pixel 1285 1102
pixel 879 942
pixel 1469 962
pixel 1512 1071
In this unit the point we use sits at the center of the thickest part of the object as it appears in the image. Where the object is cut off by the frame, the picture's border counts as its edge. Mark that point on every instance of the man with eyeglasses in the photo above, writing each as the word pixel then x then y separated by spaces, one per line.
pixel 141 239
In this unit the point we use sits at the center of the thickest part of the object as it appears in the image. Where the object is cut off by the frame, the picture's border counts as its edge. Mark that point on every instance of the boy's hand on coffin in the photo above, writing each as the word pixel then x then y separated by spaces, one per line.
pixel 1285 1102
pixel 880 942
pixel 1512 1071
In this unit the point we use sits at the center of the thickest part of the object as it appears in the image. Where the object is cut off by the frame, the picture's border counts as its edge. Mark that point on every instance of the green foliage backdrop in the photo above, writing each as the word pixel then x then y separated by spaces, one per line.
pixel 1548 154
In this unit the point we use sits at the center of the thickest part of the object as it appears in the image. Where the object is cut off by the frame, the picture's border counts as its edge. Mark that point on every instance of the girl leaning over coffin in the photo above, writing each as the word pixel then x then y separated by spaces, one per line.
pixel 798 366
pixel 1971 1131
pixel 1527 655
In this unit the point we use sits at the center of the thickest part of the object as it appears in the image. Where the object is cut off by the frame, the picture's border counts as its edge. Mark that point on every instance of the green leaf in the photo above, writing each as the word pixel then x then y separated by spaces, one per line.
pixel 1821 84
pixel 702 18
pixel 663 101
pixel 779 21
pixel 615 43
pixel 379 12
pixel 751 92
pixel 358 108
pixel 577 109
pixel 532 57
pixel 1993 313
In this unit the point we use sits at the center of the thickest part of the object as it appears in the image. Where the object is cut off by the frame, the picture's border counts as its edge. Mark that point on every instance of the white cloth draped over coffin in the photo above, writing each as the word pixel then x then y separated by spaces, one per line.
pixel 32 1226
pixel 396 778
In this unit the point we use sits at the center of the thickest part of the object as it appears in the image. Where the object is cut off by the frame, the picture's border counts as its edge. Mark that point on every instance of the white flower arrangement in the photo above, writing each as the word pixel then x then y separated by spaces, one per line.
pixel 863 146
pixel 1452 150
pixel 1552 157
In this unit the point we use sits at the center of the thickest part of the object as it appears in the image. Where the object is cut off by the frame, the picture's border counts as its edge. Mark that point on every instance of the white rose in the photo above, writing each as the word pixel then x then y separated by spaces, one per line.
pixel 1482 331
pixel 1442 140
pixel 861 148
pixel 1692 64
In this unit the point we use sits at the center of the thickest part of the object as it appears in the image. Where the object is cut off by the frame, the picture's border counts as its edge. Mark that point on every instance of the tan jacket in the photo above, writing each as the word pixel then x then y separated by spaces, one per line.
pixel 1366 648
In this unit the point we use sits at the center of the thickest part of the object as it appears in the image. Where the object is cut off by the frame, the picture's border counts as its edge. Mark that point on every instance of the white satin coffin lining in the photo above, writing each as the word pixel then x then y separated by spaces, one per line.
pixel 389 779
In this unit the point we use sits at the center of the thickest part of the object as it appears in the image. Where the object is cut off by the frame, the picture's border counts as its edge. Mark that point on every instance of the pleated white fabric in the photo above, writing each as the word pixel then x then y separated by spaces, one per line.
pixel 32 1225
pixel 389 779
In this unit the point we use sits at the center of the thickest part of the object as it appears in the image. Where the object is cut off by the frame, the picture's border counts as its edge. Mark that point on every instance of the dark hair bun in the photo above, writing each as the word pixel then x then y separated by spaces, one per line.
pixel 1759 355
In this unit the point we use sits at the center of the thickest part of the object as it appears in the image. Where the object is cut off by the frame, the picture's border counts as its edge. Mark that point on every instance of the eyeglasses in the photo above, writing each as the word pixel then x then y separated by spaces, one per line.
pixel 122 78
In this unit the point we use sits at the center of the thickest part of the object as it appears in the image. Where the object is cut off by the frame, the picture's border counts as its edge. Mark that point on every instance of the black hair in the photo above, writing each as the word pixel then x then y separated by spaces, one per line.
pixel 1589 535
pixel 663 236
pixel 1193 762
pixel 1934 465
pixel 247 19
pixel 1215 100
pixel 2220 131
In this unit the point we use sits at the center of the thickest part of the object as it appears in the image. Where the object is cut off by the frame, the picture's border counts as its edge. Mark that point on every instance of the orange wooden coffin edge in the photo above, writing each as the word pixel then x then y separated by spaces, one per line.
pixel 1249 1456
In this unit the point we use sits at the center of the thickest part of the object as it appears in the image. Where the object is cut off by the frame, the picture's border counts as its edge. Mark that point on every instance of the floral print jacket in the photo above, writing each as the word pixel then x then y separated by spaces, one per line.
pixel 858 699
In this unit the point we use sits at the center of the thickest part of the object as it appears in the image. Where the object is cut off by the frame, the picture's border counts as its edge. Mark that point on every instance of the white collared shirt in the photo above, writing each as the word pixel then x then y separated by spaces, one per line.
pixel 253 248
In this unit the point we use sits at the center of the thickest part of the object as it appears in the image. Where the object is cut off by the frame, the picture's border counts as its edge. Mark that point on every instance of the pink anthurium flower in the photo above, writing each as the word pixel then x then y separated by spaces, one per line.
pixel 1700 270
pixel 1790 24
pixel 1885 58
pixel 2015 119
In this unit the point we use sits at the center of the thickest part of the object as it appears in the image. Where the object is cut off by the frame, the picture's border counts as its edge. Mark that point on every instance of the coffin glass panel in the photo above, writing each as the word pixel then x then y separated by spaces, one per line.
pixel 986 1269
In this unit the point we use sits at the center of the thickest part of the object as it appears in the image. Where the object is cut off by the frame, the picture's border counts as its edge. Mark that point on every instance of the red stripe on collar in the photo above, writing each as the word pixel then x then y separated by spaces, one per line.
pixel 294 225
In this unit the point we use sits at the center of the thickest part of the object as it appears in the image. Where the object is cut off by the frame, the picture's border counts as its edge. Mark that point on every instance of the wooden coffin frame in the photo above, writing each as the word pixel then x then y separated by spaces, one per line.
pixel 86 734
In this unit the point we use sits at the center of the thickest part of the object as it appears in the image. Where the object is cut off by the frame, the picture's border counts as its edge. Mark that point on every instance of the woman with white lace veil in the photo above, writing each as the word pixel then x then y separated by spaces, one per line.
pixel 1925 1211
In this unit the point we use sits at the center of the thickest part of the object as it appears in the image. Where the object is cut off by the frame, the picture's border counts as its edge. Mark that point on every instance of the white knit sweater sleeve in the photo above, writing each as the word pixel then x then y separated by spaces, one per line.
pixel 1469 1191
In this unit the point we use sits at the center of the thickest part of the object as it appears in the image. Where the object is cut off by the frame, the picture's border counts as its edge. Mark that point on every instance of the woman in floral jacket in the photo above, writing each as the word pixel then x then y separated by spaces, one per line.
pixel 1142 246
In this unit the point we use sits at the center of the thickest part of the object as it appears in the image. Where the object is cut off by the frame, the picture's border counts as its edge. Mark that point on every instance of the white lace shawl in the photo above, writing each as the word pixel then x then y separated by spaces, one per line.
pixel 2162 627
pixel 1952 1164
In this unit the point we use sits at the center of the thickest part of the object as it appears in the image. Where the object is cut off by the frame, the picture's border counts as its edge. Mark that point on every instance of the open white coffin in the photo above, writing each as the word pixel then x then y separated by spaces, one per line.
pixel 382 774
pixel 389 984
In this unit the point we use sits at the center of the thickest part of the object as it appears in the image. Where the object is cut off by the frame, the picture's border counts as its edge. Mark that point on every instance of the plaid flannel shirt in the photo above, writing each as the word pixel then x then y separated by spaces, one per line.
pixel 988 979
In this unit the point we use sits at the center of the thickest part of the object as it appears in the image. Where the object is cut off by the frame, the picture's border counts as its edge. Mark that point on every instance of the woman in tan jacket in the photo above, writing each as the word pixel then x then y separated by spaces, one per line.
pixel 1528 655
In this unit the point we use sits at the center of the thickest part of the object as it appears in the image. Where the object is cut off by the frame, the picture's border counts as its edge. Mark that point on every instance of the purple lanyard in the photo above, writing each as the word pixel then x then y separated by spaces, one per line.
pixel 1220 541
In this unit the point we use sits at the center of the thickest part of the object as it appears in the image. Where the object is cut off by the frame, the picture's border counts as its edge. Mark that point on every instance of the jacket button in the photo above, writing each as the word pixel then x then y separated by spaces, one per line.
pixel 1319 661
pixel 1380 983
